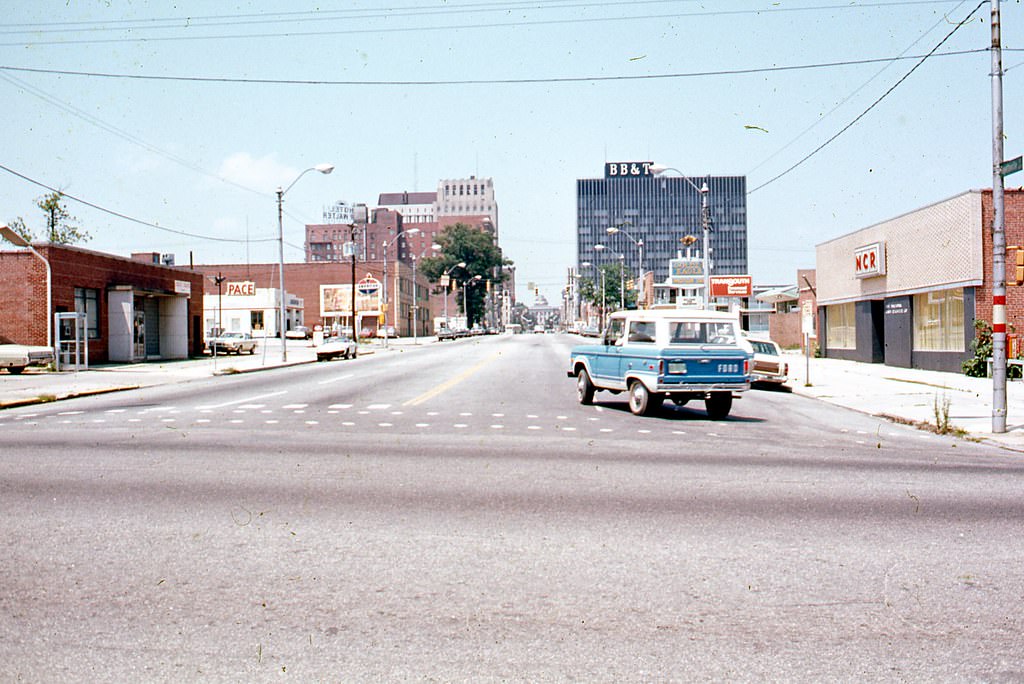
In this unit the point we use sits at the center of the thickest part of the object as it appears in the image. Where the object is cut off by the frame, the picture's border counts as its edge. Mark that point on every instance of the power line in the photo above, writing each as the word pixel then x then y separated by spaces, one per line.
pixel 884 95
pixel 185 23
pixel 132 219
pixel 494 81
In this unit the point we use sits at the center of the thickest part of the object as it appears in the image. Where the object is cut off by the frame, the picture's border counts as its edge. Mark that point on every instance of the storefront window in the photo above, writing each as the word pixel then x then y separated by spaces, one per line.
pixel 256 320
pixel 842 328
pixel 939 321
pixel 87 302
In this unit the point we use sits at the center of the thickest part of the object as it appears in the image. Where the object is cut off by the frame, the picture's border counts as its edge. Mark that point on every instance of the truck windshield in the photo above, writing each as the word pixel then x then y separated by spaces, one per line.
pixel 701 332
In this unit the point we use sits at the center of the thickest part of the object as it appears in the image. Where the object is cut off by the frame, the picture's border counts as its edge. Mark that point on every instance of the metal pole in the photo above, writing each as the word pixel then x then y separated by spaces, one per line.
pixel 998 234
pixel 415 305
pixel 355 333
pixel 622 281
pixel 705 221
pixel 641 291
pixel 386 303
pixel 280 256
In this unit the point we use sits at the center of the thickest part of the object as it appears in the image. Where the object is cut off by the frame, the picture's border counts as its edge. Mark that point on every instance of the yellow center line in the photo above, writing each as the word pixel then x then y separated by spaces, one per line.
pixel 452 382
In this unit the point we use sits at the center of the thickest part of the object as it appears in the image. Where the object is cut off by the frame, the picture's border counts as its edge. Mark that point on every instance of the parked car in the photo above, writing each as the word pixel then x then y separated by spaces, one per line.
pixel 17 357
pixel 232 343
pixel 676 354
pixel 769 365
pixel 388 329
pixel 590 331
pixel 336 346
pixel 299 332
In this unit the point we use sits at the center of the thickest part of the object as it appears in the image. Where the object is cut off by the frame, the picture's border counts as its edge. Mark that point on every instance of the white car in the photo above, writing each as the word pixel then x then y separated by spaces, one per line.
pixel 17 357
pixel 232 343
pixel 769 365
pixel 335 347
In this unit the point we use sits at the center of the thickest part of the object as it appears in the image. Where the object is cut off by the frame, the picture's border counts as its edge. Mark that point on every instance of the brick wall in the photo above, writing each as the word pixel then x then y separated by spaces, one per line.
pixel 304 280
pixel 23 290
pixel 1014 210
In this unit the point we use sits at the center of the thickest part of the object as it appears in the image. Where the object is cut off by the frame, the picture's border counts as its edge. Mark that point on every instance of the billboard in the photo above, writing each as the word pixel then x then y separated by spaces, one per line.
pixel 688 272
pixel 732 286
pixel 336 300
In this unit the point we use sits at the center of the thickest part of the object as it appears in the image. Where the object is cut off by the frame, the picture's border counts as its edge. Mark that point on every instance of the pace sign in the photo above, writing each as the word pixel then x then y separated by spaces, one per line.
pixel 241 289
pixel 869 260
pixel 627 169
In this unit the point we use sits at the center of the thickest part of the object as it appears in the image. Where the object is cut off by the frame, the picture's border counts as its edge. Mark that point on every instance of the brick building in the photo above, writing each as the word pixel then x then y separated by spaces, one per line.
pixel 907 291
pixel 314 284
pixel 135 309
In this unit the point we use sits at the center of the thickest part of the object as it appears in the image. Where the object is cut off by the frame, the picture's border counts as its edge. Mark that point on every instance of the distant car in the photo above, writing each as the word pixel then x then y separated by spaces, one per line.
pixel 299 332
pixel 335 347
pixel 232 343
pixel 389 330
pixel 590 331
pixel 538 329
pixel 769 366
pixel 17 357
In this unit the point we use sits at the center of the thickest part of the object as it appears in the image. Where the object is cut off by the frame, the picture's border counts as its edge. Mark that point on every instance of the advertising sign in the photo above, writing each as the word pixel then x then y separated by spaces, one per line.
pixel 635 169
pixel 688 273
pixel 732 286
pixel 807 317
pixel 869 260
pixel 339 212
pixel 242 289
pixel 336 300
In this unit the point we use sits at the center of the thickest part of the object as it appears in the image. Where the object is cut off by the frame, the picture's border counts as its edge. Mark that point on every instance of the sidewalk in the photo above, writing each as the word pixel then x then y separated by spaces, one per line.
pixel 33 386
pixel 920 397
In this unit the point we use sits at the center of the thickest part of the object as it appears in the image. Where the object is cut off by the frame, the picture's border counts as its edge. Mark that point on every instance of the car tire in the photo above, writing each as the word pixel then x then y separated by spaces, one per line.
pixel 643 402
pixel 584 388
pixel 718 405
pixel 15 370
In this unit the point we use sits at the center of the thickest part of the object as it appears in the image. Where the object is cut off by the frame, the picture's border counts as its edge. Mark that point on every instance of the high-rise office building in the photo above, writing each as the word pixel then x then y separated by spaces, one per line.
pixel 660 210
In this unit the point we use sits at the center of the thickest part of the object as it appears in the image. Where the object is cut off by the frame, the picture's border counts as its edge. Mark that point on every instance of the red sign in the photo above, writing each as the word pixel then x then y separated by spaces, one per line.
pixel 732 286
pixel 243 289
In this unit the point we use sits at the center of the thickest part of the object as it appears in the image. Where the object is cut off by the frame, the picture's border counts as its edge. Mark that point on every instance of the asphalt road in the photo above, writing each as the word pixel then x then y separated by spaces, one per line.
pixel 450 513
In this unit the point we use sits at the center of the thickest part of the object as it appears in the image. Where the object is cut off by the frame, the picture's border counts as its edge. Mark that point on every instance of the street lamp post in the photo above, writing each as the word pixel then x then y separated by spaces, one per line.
pixel 415 296
pixel 465 295
pixel 614 230
pixel 705 222
pixel 600 248
pixel 445 284
pixel 8 233
pixel 387 302
pixel 324 169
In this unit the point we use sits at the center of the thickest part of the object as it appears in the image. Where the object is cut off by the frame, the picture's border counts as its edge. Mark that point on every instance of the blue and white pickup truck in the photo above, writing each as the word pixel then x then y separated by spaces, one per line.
pixel 658 354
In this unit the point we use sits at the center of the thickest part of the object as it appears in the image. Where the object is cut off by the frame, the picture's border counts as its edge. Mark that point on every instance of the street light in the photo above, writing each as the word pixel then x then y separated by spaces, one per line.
pixel 324 169
pixel 415 296
pixel 465 295
pixel 705 222
pixel 604 305
pixel 614 230
pixel 387 303
pixel 8 233
pixel 444 283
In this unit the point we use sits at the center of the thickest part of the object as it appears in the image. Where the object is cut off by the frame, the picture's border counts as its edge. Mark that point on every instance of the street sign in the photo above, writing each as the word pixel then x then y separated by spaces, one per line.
pixel 1011 166
pixel 807 317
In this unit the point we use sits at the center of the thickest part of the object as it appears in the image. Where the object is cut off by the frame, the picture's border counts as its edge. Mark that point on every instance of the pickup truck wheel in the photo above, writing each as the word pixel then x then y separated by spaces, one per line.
pixel 14 370
pixel 584 388
pixel 643 402
pixel 718 405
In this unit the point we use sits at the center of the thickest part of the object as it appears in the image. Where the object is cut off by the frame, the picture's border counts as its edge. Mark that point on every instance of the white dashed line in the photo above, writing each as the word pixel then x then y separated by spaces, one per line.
pixel 245 401
pixel 379 407
pixel 460 425
pixel 340 406
pixel 422 425
pixel 292 407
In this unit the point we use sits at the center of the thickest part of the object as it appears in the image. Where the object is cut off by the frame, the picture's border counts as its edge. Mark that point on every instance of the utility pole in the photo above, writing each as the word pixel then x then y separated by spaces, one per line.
pixel 998 234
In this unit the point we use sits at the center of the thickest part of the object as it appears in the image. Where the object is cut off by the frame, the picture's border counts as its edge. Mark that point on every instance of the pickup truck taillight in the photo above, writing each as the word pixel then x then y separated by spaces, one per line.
pixel 746 366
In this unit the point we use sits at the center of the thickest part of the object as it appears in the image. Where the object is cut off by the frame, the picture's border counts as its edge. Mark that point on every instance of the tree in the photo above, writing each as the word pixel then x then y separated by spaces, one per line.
pixel 614 275
pixel 464 244
pixel 60 224
pixel 19 227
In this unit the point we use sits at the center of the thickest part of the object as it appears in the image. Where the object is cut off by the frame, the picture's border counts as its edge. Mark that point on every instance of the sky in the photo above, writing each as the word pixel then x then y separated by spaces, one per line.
pixel 181 119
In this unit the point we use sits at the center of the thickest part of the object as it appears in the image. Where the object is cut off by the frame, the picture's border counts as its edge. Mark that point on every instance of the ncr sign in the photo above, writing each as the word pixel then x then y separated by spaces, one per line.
pixel 869 260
